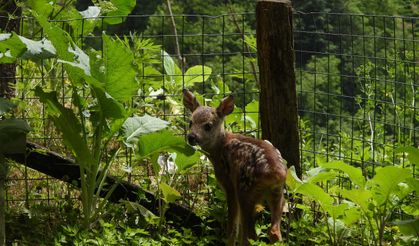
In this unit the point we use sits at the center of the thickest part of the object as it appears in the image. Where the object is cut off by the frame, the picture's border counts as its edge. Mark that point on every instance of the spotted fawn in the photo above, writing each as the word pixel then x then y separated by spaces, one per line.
pixel 249 170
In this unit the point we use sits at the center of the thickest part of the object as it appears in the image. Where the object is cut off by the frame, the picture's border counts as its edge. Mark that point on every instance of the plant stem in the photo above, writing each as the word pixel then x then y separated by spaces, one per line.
pixel 334 232
pixel 382 224
pixel 328 230
pixel 3 175
pixel 172 18
pixel 371 136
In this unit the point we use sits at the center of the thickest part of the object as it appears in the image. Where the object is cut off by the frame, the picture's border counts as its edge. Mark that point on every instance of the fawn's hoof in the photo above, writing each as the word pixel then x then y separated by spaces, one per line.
pixel 274 235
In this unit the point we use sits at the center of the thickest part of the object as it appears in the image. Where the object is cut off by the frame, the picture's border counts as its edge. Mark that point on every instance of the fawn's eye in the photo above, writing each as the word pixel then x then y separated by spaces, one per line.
pixel 190 124
pixel 208 127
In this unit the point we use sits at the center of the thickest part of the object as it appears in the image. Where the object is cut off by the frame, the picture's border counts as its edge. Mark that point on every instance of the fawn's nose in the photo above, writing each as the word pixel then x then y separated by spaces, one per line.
pixel 191 139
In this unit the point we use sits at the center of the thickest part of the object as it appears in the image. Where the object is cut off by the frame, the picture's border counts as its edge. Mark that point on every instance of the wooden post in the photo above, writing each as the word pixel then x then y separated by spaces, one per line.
pixel 3 176
pixel 278 99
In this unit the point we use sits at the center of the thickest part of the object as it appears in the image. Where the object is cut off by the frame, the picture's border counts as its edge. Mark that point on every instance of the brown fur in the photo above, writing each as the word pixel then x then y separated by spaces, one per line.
pixel 249 170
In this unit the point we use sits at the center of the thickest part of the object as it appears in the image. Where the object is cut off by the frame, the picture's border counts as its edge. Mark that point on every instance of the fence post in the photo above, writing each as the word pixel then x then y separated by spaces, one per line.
pixel 278 99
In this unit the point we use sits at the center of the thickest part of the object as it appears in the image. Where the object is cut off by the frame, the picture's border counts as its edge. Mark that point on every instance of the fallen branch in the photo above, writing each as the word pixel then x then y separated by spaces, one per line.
pixel 59 167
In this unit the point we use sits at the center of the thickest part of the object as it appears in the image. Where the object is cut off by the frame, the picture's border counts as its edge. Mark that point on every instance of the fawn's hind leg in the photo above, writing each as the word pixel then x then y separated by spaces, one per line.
pixel 276 203
pixel 247 219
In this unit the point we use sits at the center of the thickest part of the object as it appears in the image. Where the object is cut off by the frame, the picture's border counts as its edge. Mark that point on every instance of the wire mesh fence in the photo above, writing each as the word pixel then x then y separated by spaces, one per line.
pixel 356 81
pixel 358 86
pixel 199 42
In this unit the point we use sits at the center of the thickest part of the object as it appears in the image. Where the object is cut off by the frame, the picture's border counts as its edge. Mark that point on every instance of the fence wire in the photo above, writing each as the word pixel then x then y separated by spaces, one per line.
pixel 356 85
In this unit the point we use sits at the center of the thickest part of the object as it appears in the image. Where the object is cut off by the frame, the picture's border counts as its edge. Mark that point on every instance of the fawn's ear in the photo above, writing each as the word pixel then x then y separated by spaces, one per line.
pixel 226 106
pixel 189 100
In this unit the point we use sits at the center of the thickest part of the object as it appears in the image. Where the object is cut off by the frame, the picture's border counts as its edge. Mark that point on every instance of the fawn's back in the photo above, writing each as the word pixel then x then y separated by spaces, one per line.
pixel 253 165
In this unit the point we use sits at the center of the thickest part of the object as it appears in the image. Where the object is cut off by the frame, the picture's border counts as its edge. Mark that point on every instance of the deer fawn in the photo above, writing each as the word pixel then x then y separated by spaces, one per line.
pixel 249 170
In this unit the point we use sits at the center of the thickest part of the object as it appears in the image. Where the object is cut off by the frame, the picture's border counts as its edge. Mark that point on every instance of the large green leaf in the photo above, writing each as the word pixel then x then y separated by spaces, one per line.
pixel 409 227
pixel 79 60
pixel 172 70
pixel 360 197
pixel 11 47
pixel 197 74
pixel 386 182
pixel 67 123
pixel 293 181
pixel 123 8
pixel 320 174
pixel 77 65
pixel 352 215
pixel 355 174
pixel 315 193
pixel 336 210
pixel 89 22
pixel 42 7
pixel 411 208
pixel 14 125
pixel 12 135
pixel 67 52
pixel 42 49
pixel 412 153
pixel 136 126
pixel 5 105
pixel 90 12
pixel 163 141
pixel 169 193
pixel 78 68
pixel 252 112
pixel 9 128
pixel 107 105
pixel 310 190
pixel 136 207
pixel 168 64
pixel 185 161
pixel 115 69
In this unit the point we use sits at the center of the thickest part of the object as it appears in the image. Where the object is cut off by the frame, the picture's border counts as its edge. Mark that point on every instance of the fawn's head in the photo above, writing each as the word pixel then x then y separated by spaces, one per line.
pixel 206 125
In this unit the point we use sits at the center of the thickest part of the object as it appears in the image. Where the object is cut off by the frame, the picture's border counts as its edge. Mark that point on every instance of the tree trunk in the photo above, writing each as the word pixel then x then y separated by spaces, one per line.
pixel 3 175
pixel 278 98
pixel 8 71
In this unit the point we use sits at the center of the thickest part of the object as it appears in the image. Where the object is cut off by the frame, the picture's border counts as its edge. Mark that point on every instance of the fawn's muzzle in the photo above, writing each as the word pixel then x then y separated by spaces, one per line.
pixel 191 139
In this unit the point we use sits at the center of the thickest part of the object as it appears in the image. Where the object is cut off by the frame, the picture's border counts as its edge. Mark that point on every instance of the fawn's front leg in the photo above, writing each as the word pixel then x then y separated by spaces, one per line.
pixel 233 218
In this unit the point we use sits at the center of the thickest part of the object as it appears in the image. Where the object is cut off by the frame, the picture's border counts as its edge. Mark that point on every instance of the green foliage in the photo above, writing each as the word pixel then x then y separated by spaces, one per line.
pixel 11 47
pixel 12 131
pixel 372 201
pixel 320 79
pixel 68 123
pixel 120 8
pixel 175 78
pixel 165 141
pixel 169 194
pixel 136 126
pixel 102 81
pixel 412 153
pixel 12 140
pixel 115 70
pixel 107 234
pixel 5 106
pixel 88 127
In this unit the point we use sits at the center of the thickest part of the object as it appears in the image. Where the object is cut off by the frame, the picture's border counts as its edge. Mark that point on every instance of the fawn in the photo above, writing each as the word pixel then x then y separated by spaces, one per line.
pixel 249 170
